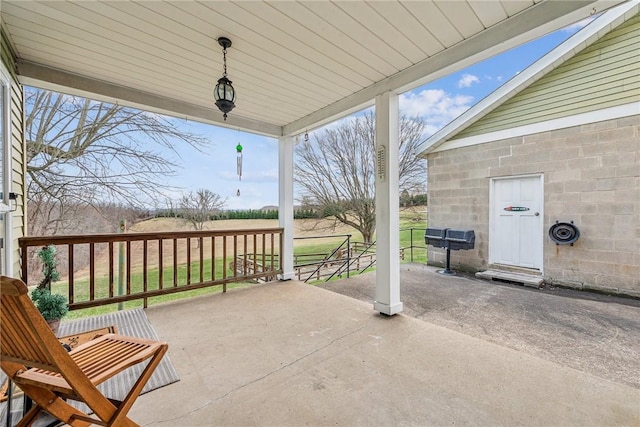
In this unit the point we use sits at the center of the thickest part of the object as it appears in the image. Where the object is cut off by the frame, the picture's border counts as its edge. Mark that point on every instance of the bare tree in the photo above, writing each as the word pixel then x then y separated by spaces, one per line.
pixel 77 219
pixel 337 170
pixel 82 153
pixel 171 208
pixel 197 207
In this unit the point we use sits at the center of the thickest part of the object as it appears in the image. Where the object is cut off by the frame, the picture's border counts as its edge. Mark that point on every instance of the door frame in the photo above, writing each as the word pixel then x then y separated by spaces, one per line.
pixel 6 251
pixel 492 215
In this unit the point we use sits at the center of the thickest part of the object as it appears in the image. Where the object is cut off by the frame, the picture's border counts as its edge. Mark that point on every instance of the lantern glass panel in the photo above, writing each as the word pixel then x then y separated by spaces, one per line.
pixel 230 93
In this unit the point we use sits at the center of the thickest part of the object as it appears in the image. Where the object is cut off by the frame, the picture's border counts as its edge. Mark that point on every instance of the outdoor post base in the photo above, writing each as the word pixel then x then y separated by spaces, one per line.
pixel 389 310
pixel 447 270
pixel 286 276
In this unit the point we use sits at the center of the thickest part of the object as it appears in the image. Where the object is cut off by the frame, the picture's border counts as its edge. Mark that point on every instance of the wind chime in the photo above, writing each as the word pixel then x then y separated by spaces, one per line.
pixel 239 165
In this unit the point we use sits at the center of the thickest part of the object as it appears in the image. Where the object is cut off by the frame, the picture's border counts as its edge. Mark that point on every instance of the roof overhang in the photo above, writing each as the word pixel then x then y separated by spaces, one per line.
pixel 295 65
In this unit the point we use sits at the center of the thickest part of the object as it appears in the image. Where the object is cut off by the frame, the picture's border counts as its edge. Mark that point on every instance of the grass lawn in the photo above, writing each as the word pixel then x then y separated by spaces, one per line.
pixel 101 287
pixel 412 227
pixel 413 236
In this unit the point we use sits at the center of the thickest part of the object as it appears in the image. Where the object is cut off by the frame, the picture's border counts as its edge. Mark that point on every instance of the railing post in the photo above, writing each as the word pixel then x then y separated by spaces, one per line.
pixel 411 240
pixel 348 253
pixel 122 227
pixel 25 264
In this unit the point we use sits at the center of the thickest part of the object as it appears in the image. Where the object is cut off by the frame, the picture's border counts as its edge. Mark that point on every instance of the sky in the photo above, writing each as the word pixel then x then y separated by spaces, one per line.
pixel 439 102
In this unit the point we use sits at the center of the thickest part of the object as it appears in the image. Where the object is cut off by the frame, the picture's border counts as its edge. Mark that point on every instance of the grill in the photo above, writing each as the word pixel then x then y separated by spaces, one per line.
pixel 435 237
pixel 451 240
pixel 460 239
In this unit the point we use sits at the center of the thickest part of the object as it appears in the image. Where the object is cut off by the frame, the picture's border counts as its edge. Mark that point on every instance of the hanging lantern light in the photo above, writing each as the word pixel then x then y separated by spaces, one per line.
pixel 224 93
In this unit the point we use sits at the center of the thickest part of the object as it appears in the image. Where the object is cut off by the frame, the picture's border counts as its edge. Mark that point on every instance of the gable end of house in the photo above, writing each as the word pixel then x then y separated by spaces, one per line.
pixel 605 76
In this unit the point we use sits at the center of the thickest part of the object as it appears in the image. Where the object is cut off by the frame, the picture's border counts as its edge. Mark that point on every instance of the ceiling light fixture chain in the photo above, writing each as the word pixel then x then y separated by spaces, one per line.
pixel 224 59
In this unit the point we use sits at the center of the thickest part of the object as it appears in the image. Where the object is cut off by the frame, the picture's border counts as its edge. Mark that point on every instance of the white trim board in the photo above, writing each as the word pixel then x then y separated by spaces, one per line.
pixel 555 124
pixel 6 179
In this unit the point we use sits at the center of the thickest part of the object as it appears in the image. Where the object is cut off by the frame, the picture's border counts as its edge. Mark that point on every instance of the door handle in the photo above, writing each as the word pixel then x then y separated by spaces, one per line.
pixel 537 214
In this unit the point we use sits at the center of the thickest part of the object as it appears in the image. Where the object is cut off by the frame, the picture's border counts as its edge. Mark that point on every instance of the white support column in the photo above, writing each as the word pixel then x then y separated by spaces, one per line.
pixel 285 204
pixel 387 212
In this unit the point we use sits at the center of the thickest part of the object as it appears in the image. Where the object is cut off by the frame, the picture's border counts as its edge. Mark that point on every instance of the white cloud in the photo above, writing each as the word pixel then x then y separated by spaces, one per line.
pixel 436 105
pixel 579 25
pixel 249 175
pixel 467 80
pixel 251 197
pixel 492 78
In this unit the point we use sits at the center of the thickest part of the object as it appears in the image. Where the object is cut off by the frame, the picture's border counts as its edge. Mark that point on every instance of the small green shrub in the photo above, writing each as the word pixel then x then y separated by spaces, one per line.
pixel 51 306
pixel 49 272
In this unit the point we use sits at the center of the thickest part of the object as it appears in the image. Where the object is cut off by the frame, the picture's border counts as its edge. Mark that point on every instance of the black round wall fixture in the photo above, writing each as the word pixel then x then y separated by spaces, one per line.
pixel 564 233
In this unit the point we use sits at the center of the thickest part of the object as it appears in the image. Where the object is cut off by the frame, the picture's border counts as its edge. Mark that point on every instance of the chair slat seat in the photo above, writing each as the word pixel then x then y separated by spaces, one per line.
pixel 100 359
pixel 33 358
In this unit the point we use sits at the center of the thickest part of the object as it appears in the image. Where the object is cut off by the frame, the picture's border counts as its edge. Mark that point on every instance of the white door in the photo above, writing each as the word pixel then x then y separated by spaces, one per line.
pixel 515 228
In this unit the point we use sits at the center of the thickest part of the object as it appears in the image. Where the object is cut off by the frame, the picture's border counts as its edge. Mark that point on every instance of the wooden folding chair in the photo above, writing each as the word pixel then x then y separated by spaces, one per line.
pixel 36 361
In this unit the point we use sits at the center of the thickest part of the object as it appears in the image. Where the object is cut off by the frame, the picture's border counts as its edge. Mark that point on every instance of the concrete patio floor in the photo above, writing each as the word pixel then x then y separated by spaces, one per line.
pixel 594 333
pixel 290 354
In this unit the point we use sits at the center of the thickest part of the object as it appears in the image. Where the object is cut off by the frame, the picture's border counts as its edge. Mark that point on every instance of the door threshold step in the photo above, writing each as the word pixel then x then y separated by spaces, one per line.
pixel 530 280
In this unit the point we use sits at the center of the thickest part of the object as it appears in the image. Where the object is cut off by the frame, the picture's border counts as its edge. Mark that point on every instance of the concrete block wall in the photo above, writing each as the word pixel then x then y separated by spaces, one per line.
pixel 591 177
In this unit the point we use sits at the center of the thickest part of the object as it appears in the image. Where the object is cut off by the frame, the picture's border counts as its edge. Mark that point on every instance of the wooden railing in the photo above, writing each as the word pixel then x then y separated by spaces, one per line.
pixel 129 266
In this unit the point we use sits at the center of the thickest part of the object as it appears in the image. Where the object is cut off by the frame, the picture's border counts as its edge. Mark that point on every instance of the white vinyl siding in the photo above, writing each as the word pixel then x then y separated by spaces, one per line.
pixel 18 172
pixel 17 154
pixel 606 74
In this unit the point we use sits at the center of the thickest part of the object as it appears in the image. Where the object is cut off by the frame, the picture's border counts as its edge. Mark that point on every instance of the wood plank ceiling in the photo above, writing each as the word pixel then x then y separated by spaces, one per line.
pixel 290 62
